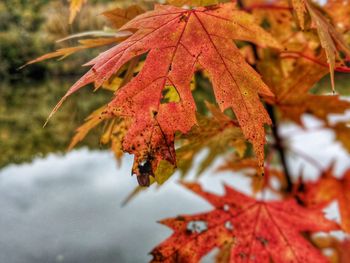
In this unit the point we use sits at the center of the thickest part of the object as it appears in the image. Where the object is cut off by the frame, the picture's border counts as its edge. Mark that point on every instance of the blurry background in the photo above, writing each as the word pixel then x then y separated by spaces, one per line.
pixel 66 207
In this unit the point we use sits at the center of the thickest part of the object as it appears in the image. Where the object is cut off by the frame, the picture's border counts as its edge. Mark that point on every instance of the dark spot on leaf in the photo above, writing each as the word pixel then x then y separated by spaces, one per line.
pixel 184 18
pixel 180 218
pixel 263 241
pixel 157 256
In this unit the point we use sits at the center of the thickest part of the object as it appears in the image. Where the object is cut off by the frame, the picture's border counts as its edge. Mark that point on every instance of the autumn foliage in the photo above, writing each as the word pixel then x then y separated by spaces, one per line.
pixel 224 76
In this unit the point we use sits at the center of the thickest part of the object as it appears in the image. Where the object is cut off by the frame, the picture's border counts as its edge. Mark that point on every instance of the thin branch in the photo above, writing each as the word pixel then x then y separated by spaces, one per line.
pixel 280 148
pixel 291 54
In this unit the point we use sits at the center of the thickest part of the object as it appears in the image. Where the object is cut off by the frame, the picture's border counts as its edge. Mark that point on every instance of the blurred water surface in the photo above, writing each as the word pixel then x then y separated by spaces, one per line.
pixel 68 209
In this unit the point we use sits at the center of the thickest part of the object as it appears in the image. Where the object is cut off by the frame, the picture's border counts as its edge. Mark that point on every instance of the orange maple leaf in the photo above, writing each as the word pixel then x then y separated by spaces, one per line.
pixel 176 40
pixel 84 44
pixel 259 231
pixel 342 131
pixel 339 10
pixel 292 89
pixel 74 8
pixel 300 10
pixel 250 168
pixel 119 16
pixel 329 188
pixel 330 39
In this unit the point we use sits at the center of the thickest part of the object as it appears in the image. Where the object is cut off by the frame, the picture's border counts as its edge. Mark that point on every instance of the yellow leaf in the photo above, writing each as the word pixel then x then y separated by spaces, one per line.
pixel 113 84
pixel 84 44
pixel 74 8
pixel 329 38
pixel 342 132
pixel 193 2
pixel 217 133
pixel 300 10
pixel 163 172
pixel 119 16
pixel 90 122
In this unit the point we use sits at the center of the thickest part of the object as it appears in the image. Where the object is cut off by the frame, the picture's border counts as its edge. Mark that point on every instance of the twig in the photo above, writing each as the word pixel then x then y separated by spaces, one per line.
pixel 292 54
pixel 280 148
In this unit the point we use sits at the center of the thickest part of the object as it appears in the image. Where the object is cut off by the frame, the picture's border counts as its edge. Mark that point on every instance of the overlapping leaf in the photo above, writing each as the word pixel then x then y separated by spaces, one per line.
pixel 119 16
pixel 84 44
pixel 338 251
pixel 292 89
pixel 115 129
pixel 329 188
pixel 217 134
pixel 74 8
pixel 91 122
pixel 342 133
pixel 175 40
pixel 300 10
pixel 331 40
pixel 293 73
pixel 339 10
pixel 250 168
pixel 256 231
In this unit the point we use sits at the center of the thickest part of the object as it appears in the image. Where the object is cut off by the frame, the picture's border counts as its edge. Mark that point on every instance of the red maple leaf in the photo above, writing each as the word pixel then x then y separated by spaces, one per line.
pixel 176 40
pixel 258 231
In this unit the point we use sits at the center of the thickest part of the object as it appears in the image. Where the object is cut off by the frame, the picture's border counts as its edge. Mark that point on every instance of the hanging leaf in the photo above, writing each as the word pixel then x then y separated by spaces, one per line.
pixel 176 39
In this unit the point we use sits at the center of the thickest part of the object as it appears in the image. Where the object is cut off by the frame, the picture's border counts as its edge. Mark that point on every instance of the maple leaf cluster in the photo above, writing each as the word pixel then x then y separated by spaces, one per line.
pixel 195 75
